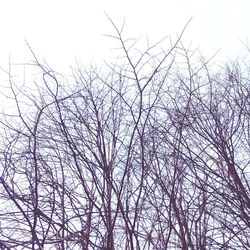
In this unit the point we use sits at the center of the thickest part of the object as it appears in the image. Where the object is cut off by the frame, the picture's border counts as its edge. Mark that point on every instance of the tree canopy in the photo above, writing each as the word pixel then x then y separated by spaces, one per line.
pixel 150 152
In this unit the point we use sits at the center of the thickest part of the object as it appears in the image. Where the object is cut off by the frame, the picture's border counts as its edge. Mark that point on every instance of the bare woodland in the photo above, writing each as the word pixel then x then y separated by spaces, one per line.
pixel 151 152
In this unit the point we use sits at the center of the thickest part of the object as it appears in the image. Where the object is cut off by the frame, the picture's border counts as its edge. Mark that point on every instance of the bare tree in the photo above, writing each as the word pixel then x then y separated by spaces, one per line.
pixel 151 152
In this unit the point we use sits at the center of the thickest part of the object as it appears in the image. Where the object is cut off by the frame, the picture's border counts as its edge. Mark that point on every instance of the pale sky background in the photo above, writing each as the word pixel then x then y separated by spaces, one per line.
pixel 61 31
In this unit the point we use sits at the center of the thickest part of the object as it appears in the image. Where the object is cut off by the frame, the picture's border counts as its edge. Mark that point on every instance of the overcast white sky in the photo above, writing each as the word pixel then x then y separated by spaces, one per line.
pixel 61 30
